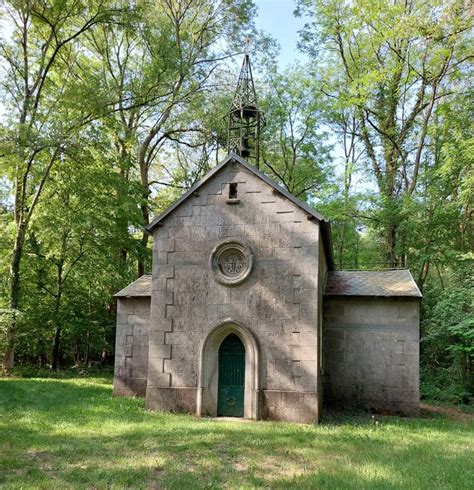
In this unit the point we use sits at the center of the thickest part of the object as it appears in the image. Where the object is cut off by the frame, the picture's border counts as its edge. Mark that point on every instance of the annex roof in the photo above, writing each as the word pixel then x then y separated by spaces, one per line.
pixel 363 283
pixel 139 288
pixel 233 157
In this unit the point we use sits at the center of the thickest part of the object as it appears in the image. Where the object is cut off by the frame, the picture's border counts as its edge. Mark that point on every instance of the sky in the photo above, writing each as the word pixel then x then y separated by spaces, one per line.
pixel 277 19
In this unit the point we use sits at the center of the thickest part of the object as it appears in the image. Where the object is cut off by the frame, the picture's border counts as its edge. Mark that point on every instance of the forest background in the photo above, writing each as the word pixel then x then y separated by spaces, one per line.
pixel 110 110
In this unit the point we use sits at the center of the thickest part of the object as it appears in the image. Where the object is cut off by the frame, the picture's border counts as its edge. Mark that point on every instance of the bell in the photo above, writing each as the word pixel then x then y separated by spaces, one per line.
pixel 244 149
pixel 245 112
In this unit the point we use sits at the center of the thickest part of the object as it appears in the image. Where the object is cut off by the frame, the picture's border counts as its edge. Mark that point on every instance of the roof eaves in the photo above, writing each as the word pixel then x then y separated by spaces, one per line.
pixel 369 295
pixel 327 243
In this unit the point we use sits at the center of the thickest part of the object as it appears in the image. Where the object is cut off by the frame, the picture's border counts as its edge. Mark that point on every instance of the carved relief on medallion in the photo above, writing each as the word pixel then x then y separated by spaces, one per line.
pixel 231 262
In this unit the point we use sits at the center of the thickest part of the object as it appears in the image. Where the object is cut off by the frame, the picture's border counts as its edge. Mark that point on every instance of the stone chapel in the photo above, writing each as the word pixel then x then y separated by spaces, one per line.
pixel 244 313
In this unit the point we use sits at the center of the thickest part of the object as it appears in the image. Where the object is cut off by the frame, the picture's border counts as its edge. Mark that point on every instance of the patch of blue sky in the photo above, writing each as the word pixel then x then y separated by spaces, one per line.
pixel 276 17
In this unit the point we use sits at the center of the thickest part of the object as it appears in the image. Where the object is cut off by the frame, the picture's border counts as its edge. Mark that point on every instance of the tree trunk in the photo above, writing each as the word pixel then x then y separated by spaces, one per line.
pixel 77 353
pixel 14 273
pixel 391 239
pixel 57 306
pixel 146 220
pixel 141 259
pixel 14 297
pixel 87 358
pixel 425 268
pixel 9 355
pixel 341 246
pixel 55 352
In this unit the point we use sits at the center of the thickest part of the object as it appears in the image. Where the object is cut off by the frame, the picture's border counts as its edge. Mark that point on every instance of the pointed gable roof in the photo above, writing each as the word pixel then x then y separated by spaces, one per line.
pixel 233 157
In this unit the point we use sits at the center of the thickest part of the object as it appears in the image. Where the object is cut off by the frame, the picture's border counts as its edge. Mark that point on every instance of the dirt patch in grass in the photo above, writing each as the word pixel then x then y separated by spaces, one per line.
pixel 450 412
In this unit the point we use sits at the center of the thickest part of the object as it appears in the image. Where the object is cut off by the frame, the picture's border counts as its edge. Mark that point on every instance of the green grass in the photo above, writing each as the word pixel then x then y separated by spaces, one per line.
pixel 71 433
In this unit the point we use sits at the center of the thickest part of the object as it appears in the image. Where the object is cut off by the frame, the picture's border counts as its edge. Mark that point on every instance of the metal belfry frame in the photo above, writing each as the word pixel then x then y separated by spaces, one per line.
pixel 245 120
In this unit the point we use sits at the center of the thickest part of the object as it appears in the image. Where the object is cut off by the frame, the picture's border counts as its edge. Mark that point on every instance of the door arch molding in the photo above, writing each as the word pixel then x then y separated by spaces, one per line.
pixel 208 369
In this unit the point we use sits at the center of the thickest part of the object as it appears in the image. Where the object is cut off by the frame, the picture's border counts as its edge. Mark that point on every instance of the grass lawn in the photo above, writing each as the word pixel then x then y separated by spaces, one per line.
pixel 71 433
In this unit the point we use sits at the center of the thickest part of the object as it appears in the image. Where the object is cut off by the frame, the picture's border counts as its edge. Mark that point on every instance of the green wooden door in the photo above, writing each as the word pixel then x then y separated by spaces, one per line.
pixel 230 396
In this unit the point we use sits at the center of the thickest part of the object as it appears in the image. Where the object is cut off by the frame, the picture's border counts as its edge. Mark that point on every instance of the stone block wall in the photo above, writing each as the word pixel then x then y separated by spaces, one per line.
pixel 371 353
pixel 277 304
pixel 131 346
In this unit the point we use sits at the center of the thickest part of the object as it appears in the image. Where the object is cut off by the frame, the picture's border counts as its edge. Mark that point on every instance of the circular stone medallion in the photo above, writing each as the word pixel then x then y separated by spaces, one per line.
pixel 231 262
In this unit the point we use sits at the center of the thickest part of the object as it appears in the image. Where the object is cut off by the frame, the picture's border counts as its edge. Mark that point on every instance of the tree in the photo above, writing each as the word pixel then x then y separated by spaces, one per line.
pixel 41 62
pixel 68 270
pixel 154 70
pixel 293 144
pixel 397 61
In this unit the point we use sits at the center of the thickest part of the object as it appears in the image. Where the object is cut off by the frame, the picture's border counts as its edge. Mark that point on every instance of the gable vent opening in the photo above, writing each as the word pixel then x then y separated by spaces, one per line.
pixel 233 190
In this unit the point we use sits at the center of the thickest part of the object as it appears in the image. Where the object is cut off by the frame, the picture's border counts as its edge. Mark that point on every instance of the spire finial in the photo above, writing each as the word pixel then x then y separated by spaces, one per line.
pixel 247 46
pixel 245 120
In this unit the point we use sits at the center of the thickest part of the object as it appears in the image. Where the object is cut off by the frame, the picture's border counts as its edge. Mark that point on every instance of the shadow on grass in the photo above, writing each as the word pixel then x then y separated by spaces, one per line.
pixel 73 433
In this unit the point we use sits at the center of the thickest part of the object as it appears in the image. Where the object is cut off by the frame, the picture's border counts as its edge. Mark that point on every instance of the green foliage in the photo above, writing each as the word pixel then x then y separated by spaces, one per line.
pixel 444 385
pixel 101 374
pixel 295 149
pixel 448 338
pixel 390 65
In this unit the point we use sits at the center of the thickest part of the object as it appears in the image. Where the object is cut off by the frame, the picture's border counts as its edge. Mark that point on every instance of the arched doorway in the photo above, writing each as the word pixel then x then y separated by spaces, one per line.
pixel 208 381
pixel 231 384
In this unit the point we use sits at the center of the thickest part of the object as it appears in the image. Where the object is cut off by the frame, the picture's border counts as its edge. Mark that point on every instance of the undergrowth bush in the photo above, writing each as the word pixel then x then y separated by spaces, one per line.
pixel 446 385
pixel 447 341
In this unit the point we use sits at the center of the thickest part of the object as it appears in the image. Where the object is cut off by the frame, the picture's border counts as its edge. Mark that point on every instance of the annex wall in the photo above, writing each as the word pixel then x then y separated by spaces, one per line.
pixel 371 353
pixel 131 346
pixel 277 304
pixel 322 278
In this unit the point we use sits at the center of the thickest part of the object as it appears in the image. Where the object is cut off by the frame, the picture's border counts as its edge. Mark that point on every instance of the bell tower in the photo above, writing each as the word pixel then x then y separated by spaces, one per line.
pixel 245 120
